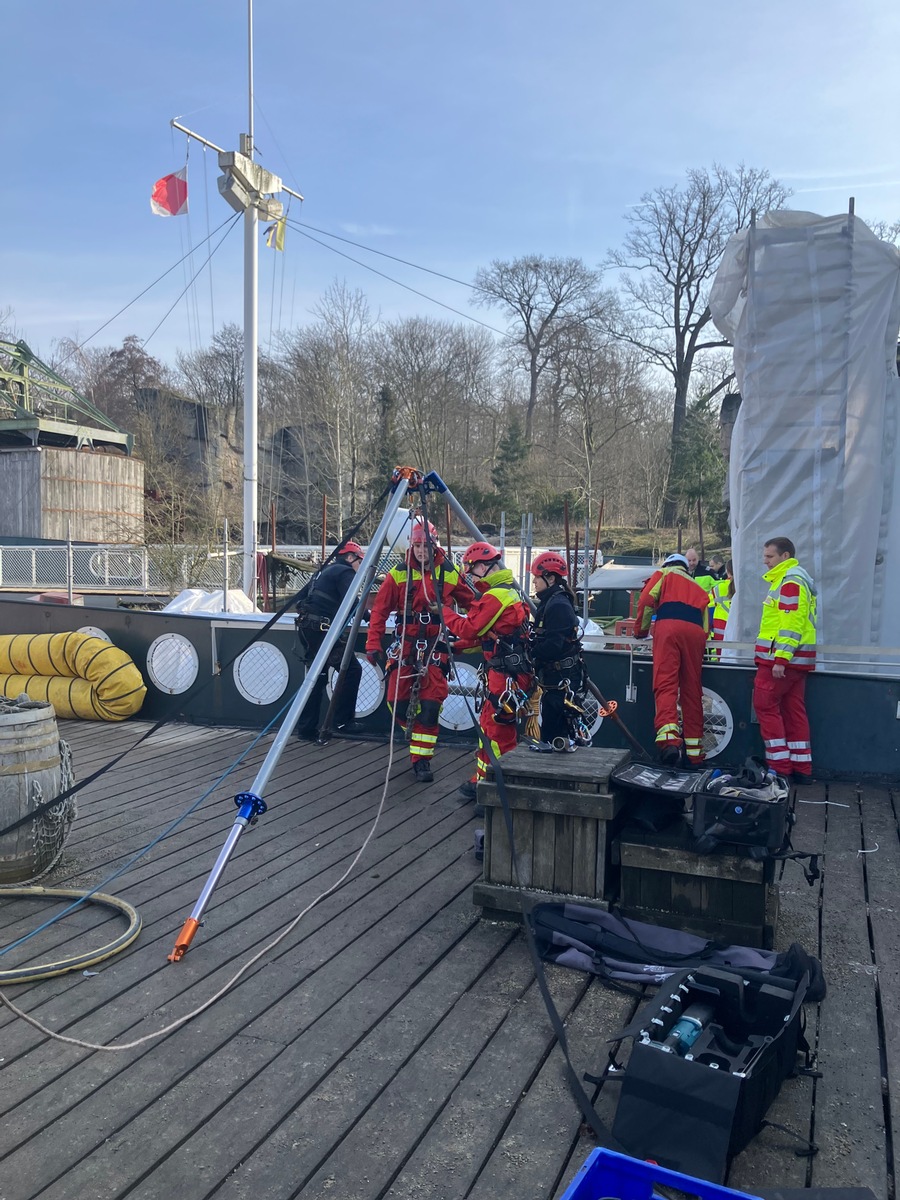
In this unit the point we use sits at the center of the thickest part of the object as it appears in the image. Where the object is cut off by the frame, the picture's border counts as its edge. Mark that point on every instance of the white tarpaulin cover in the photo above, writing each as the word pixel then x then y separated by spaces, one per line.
pixel 196 600
pixel 812 307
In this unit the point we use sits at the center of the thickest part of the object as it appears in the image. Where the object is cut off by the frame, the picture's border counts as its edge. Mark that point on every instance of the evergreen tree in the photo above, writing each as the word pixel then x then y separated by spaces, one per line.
pixel 512 450
pixel 384 456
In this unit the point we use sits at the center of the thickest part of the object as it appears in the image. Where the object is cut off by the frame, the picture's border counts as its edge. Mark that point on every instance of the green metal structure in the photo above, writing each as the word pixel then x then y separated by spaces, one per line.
pixel 38 406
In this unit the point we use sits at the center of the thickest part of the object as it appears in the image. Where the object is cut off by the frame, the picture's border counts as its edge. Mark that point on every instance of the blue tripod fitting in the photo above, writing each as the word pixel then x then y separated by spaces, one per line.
pixel 252 806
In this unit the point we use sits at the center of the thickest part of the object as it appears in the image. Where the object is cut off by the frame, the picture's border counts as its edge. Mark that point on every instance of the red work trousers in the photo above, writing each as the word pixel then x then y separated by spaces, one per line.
pixel 781 708
pixel 678 648
pixel 432 694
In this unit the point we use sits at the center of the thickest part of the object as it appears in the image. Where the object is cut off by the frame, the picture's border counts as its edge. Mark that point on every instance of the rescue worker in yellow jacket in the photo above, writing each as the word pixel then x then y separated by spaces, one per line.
pixel 497 622
pixel 785 654
pixel 720 596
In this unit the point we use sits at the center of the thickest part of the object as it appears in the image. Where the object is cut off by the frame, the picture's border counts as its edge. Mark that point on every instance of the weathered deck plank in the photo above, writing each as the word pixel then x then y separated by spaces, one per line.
pixel 393 1044
pixel 849 1116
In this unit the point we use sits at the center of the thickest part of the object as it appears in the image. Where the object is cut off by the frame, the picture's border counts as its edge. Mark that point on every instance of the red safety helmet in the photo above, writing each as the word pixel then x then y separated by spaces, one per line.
pixel 418 534
pixel 550 562
pixel 480 552
pixel 351 548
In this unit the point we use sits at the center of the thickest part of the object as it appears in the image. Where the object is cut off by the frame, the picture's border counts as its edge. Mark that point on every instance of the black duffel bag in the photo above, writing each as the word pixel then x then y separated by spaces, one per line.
pixel 749 808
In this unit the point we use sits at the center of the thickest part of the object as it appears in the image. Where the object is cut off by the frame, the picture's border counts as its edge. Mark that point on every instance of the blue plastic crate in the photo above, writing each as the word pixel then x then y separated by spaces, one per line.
pixel 607 1174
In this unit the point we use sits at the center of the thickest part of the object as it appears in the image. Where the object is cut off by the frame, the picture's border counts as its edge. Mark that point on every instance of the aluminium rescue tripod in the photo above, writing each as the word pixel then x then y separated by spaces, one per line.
pixel 250 804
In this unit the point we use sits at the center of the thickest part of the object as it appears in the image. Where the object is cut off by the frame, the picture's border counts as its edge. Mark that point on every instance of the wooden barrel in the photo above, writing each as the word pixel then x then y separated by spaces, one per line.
pixel 34 767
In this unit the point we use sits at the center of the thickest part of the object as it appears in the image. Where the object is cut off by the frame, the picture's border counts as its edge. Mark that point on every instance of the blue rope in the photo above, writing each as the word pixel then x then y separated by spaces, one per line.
pixel 159 837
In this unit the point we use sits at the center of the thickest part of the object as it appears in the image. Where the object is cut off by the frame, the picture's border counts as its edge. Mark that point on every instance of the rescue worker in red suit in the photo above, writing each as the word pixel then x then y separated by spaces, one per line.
pixel 494 622
pixel 680 630
pixel 409 591
pixel 785 654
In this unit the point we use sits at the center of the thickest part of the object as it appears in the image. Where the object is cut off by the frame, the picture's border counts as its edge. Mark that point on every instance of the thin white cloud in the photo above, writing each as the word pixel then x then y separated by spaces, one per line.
pixel 834 176
pixel 850 184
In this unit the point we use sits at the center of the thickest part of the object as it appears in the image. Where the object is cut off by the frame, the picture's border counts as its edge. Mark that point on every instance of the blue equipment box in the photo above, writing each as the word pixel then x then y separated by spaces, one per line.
pixel 607 1174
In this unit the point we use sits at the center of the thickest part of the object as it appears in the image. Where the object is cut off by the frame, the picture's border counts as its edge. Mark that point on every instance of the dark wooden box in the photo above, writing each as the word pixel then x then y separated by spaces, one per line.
pixel 726 896
pixel 564 818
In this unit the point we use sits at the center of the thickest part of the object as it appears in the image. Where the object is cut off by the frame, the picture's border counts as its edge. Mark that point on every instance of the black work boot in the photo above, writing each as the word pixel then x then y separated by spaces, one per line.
pixel 467 790
pixel 670 756
pixel 350 729
pixel 422 771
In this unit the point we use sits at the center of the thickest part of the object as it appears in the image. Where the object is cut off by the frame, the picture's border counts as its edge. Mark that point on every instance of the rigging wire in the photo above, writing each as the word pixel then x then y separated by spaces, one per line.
pixel 168 313
pixel 76 346
pixel 384 254
pixel 212 301
pixel 283 273
pixel 185 229
pixel 431 299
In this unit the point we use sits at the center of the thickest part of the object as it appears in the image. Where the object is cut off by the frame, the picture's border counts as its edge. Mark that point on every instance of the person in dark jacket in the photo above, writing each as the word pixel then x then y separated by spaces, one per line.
pixel 317 605
pixel 556 650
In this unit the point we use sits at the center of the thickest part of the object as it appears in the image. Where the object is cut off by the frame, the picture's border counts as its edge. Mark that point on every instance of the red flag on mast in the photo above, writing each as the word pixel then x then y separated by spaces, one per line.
pixel 169 197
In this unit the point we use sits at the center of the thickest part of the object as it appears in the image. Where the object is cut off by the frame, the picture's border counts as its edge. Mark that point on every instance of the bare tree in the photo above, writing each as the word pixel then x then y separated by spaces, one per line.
pixel 546 300
pixel 607 396
pixel 441 375
pixel 324 385
pixel 347 324
pixel 675 243
pixel 110 376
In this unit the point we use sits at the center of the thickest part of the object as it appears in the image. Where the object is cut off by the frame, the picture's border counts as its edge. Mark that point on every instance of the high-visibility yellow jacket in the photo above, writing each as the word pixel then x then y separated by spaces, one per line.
pixel 787 630
pixel 720 606
pixel 499 610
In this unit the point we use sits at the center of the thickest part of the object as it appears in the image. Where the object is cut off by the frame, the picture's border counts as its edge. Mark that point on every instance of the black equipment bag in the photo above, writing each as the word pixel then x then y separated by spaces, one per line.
pixel 656 795
pixel 749 808
pixel 710 1053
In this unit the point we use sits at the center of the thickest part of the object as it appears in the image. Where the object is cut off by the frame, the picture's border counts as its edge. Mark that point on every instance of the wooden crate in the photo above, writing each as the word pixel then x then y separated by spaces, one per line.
pixel 726 896
pixel 563 818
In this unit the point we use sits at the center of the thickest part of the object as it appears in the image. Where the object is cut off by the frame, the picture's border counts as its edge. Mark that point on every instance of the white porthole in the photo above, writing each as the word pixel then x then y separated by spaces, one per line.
pixel 95 631
pixel 458 710
pixel 718 724
pixel 172 663
pixel 592 716
pixel 261 673
pixel 371 687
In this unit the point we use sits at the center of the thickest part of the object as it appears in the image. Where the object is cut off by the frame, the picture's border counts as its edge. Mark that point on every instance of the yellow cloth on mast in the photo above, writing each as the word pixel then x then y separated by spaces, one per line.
pixel 275 234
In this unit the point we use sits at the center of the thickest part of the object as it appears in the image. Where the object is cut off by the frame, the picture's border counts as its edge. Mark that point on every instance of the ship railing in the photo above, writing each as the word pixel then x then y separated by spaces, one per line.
pixel 830 658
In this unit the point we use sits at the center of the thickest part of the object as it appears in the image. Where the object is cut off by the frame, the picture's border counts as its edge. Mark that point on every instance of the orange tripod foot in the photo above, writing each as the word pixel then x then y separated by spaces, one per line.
pixel 182 945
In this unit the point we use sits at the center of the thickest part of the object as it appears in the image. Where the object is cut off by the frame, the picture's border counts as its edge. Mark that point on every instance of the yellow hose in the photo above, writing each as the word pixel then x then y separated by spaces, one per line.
pixel 76 961
pixel 80 675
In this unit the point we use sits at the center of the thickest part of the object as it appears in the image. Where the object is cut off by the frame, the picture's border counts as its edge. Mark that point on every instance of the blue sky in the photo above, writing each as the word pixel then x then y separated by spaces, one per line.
pixel 447 134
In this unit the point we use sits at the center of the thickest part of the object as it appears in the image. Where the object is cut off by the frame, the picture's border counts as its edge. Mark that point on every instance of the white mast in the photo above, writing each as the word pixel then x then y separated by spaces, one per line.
pixel 251 342
pixel 249 190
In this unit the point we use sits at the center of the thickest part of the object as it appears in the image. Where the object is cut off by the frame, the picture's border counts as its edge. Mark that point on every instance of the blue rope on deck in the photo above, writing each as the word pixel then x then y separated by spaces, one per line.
pixel 126 866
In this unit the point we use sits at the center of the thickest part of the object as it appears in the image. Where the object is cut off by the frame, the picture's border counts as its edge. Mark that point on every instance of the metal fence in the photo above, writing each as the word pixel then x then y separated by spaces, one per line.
pixel 148 569
pixel 156 569
pixel 116 568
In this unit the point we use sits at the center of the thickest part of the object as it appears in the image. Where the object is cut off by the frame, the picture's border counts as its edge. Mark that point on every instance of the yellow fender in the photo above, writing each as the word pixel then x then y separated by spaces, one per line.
pixel 80 675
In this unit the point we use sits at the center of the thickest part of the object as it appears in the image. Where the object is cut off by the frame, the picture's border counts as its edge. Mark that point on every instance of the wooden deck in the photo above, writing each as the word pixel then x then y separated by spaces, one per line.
pixel 394 1044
